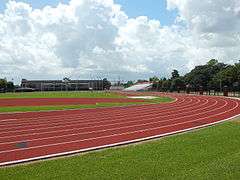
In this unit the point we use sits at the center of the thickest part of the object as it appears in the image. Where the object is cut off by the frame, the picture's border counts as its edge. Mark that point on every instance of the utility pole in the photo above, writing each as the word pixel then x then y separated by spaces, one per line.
pixel 102 84
pixel 220 85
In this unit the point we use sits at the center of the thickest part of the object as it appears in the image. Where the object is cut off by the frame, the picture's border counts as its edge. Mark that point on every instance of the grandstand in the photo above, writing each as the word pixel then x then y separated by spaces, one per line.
pixel 139 87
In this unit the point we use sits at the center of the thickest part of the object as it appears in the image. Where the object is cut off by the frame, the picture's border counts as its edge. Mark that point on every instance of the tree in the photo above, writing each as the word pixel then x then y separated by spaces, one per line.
pixel 141 81
pixel 212 62
pixel 3 85
pixel 10 86
pixel 166 85
pixel 128 84
pixel 154 79
pixel 175 74
pixel 106 84
pixel 203 75
pixel 227 77
pixel 66 79
pixel 177 84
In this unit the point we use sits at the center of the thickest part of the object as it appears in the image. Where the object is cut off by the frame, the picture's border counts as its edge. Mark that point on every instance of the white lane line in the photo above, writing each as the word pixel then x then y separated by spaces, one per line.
pixel 89 122
pixel 104 130
pixel 113 109
pixel 58 131
pixel 135 125
pixel 69 117
pixel 57 119
pixel 11 119
pixel 92 122
pixel 75 121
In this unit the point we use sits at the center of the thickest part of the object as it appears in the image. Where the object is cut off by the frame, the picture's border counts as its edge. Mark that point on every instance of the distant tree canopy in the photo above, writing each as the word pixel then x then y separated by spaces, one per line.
pixel 6 86
pixel 3 83
pixel 175 74
pixel 229 76
pixel 141 81
pixel 106 84
pixel 212 62
pixel 154 79
pixel 177 84
pixel 128 84
pixel 203 75
pixel 212 75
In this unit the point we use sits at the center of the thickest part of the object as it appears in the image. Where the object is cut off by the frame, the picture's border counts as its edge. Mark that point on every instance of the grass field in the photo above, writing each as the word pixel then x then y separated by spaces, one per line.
pixel 71 95
pixel 211 153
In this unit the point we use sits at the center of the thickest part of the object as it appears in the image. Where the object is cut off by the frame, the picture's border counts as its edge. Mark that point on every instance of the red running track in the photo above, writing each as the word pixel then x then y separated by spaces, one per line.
pixel 61 101
pixel 37 135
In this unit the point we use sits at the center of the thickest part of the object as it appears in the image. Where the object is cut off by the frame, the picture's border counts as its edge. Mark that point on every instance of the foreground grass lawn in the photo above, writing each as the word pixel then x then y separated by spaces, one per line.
pixel 62 94
pixel 83 106
pixel 211 153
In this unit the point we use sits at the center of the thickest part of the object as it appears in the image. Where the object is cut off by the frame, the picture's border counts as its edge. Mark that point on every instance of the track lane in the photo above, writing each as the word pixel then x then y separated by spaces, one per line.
pixel 5 118
pixel 93 131
pixel 96 125
pixel 83 114
pixel 121 116
pixel 12 102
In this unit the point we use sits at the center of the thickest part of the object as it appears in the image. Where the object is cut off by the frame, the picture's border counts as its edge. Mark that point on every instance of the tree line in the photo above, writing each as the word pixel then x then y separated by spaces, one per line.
pixel 213 75
pixel 6 86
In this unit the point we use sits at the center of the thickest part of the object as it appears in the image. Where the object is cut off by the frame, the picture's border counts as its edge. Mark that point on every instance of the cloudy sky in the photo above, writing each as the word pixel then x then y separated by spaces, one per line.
pixel 51 39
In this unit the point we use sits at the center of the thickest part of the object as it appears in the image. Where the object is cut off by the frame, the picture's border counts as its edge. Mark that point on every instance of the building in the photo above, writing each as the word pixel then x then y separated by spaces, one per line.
pixel 63 85
pixel 140 87
pixel 116 88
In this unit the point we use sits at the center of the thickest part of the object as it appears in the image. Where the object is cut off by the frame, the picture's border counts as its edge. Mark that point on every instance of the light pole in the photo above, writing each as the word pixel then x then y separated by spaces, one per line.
pixel 102 82
pixel 220 85
pixel 99 82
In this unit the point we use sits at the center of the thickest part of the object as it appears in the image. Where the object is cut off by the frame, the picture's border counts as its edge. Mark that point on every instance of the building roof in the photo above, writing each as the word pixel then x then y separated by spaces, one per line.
pixel 139 87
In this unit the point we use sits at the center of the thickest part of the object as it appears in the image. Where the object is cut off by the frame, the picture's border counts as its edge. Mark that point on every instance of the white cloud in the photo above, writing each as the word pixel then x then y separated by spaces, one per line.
pixel 213 26
pixel 96 37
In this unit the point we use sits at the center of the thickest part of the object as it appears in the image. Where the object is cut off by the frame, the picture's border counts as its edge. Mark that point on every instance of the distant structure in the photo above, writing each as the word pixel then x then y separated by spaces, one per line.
pixel 63 85
pixel 117 88
pixel 139 87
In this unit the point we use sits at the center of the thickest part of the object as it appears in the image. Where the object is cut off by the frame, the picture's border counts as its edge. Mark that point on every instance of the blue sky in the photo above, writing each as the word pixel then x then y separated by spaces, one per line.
pixel 35 3
pixel 154 9
pixel 118 46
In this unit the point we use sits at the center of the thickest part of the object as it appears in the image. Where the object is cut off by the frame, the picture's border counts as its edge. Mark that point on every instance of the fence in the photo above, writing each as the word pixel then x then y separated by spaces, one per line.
pixel 209 93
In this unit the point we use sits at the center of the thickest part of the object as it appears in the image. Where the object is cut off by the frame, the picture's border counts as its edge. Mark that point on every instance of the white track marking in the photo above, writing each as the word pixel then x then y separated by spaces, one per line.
pixel 104 130
pixel 94 122
pixel 59 131
pixel 43 120
pixel 86 113
pixel 102 108
pixel 85 121
pixel 28 122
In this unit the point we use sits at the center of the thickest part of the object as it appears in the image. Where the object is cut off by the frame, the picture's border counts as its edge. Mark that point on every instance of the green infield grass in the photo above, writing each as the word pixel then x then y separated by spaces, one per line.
pixel 83 106
pixel 210 153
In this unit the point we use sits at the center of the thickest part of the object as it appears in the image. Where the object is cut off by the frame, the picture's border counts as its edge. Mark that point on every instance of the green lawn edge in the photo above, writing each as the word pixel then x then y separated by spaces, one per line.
pixel 209 153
